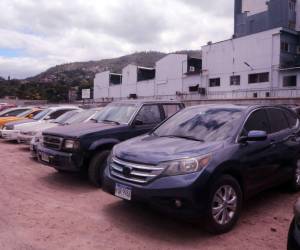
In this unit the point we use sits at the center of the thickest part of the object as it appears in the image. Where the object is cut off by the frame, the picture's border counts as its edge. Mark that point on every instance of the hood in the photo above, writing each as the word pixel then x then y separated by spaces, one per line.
pixel 5 120
pixel 27 125
pixel 37 127
pixel 150 149
pixel 81 129
pixel 16 123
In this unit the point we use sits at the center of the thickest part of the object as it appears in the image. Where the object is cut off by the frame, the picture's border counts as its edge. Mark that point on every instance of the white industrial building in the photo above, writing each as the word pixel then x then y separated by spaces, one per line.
pixel 261 60
pixel 172 76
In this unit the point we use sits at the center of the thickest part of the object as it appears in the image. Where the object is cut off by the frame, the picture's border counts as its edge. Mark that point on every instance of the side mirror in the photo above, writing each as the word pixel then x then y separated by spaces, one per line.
pixel 47 118
pixel 254 135
pixel 138 122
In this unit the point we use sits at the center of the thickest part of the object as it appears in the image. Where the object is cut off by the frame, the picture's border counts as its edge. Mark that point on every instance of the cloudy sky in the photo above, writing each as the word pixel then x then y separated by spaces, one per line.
pixel 37 34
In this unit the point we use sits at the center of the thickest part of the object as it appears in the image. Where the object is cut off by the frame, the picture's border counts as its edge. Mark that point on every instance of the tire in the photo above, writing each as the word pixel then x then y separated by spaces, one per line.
pixel 97 166
pixel 61 171
pixel 216 221
pixel 295 182
pixel 292 243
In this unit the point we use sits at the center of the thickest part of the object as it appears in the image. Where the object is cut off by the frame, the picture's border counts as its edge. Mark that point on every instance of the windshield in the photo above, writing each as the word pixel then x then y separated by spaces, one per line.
pixel 81 117
pixel 42 114
pixel 63 118
pixel 25 113
pixel 117 112
pixel 202 124
pixel 12 112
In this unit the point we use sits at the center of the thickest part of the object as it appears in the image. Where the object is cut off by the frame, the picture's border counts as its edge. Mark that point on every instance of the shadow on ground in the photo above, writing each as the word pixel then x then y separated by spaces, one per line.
pixel 146 222
pixel 64 181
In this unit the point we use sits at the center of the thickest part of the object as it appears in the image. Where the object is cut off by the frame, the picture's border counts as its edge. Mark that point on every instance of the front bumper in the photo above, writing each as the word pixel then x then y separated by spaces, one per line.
pixel 33 149
pixel 10 135
pixel 26 139
pixel 60 160
pixel 165 192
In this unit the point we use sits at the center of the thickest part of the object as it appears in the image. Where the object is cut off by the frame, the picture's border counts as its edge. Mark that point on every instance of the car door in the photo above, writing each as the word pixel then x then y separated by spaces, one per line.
pixel 148 117
pixel 282 141
pixel 257 158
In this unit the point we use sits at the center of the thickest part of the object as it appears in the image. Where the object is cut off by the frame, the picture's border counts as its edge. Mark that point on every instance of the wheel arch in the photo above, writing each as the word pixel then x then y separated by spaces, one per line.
pixel 233 169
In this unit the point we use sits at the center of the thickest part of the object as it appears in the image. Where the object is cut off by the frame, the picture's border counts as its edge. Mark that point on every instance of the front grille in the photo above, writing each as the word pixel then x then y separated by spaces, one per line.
pixel 132 172
pixel 52 142
pixel 8 127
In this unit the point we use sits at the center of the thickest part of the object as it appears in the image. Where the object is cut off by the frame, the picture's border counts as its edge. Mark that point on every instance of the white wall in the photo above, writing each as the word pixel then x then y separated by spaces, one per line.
pixel 129 79
pixel 115 91
pixel 101 85
pixel 169 74
pixel 224 59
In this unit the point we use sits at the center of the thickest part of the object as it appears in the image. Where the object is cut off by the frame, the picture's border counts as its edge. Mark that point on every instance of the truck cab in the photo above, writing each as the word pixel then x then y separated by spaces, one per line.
pixel 85 147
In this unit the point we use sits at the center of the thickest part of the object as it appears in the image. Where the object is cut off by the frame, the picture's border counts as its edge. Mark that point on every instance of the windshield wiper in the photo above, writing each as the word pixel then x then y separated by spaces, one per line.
pixel 184 137
pixel 117 123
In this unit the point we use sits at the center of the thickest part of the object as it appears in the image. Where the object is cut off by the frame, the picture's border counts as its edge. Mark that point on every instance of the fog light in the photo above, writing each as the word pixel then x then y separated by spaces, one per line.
pixel 178 203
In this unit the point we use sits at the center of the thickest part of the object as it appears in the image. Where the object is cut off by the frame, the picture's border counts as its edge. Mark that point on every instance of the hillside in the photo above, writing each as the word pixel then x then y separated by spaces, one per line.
pixel 55 83
pixel 85 71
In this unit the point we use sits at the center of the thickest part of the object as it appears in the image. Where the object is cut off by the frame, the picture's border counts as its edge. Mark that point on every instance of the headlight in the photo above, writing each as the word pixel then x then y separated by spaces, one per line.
pixel 185 166
pixel 71 144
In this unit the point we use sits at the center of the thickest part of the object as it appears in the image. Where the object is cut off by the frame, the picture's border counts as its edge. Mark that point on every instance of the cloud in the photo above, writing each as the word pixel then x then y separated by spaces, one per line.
pixel 60 31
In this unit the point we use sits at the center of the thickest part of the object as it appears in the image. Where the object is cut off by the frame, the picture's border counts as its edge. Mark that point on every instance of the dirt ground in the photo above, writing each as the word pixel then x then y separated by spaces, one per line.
pixel 42 209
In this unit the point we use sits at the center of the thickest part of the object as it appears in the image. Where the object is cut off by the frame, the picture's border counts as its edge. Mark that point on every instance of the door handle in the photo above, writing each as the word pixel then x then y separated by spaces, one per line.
pixel 273 143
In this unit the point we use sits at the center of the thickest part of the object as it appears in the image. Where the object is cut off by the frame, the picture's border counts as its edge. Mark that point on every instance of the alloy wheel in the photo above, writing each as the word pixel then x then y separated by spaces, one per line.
pixel 224 204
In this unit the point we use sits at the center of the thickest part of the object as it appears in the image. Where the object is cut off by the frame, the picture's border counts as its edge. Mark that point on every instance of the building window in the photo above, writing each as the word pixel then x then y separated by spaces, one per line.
pixel 235 80
pixel 214 82
pixel 258 78
pixel 285 47
pixel 290 81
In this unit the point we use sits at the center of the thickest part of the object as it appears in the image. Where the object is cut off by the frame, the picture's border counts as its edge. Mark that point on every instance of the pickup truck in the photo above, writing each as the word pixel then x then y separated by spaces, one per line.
pixel 85 147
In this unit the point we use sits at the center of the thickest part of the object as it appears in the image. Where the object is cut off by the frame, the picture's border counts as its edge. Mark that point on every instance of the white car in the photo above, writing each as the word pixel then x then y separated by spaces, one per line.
pixel 27 133
pixel 11 131
pixel 82 117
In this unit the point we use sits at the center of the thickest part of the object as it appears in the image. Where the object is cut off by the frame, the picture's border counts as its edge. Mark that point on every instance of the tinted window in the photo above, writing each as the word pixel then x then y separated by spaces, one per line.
pixel 58 113
pixel 277 119
pixel 149 114
pixel 42 114
pixel 291 117
pixel 170 109
pixel 64 117
pixel 14 112
pixel 258 120
pixel 203 124
pixel 81 117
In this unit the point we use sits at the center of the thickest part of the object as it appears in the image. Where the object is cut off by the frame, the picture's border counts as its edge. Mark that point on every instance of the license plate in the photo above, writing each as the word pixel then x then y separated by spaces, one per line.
pixel 123 192
pixel 45 157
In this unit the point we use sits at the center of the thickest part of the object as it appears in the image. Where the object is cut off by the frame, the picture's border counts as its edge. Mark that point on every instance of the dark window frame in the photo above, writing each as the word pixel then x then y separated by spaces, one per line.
pixel 235 78
pixel 289 77
pixel 263 77
pixel 215 82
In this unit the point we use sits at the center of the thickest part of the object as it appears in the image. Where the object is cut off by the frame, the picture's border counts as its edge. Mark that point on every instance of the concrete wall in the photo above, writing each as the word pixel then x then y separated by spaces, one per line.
pixel 261 18
pixel 101 85
pixel 225 59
